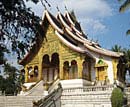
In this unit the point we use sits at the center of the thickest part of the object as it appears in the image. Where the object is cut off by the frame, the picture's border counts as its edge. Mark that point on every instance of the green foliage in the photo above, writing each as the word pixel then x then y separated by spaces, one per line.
pixel 126 53
pixel 19 25
pixel 127 57
pixel 124 61
pixel 117 97
pixel 116 48
pixel 128 32
pixel 124 6
pixel 10 81
pixel 2 51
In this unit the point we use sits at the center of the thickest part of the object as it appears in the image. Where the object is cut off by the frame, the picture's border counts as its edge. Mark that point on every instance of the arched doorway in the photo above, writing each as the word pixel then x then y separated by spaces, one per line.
pixel 45 67
pixel 30 74
pixel 87 68
pixel 36 71
pixel 73 73
pixel 50 68
pixel 66 70
pixel 55 66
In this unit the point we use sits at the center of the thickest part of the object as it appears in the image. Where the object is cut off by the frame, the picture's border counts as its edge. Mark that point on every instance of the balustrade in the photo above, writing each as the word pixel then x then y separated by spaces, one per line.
pixel 88 89
pixel 127 89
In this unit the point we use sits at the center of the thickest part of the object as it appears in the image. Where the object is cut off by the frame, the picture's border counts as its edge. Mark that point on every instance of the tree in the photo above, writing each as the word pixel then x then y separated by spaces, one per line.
pixel 10 81
pixel 2 84
pixel 19 30
pixel 2 50
pixel 125 5
pixel 20 26
pixel 117 97
pixel 124 62
pixel 116 48
pixel 127 56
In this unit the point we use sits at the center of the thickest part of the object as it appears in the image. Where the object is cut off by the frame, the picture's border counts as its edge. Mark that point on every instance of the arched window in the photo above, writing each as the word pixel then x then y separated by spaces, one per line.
pixel 50 68
pixel 46 61
pixel 66 70
pixel 73 70
pixel 45 66
pixel 54 66
pixel 23 72
pixel 30 73
pixel 36 71
pixel 30 70
pixel 55 59
pixel 86 70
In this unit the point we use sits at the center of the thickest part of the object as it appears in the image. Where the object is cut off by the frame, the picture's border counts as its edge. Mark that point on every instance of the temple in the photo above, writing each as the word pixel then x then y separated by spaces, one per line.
pixel 65 53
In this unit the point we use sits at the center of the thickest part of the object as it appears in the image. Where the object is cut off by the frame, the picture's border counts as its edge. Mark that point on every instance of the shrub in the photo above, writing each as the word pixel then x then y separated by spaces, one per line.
pixel 117 97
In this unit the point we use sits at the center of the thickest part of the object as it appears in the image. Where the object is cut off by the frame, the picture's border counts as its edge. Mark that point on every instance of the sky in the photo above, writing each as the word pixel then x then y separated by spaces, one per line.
pixel 100 19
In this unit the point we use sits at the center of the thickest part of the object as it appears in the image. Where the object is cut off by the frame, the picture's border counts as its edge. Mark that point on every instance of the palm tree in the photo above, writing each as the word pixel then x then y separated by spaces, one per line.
pixel 122 63
pixel 127 56
pixel 116 48
pixel 125 5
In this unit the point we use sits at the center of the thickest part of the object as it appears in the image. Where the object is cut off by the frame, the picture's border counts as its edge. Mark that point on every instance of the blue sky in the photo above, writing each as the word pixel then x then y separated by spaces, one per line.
pixel 100 19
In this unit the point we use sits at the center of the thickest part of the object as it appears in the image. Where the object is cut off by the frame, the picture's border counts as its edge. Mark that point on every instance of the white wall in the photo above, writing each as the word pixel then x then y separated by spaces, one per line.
pixel 107 60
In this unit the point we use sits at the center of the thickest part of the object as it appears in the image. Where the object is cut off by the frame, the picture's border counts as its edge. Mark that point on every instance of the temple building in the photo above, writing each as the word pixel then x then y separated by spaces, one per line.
pixel 66 54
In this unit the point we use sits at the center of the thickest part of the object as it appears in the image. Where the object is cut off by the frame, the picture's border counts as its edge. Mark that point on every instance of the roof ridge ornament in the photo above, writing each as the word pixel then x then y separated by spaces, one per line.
pixel 43 5
pixel 57 8
pixel 66 8
pixel 45 2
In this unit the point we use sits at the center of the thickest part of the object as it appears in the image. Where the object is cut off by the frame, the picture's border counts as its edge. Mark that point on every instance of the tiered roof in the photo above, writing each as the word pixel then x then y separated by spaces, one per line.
pixel 71 34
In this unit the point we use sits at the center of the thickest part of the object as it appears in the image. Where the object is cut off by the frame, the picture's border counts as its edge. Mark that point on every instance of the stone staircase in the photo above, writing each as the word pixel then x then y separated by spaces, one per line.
pixel 51 100
pixel 37 90
pixel 18 101
pixel 127 92
pixel 91 96
pixel 25 99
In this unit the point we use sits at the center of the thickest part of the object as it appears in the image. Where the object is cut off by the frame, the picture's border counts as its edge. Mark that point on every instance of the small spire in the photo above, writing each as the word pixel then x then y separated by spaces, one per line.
pixel 96 41
pixel 47 3
pixel 57 8
pixel 66 8
pixel 43 5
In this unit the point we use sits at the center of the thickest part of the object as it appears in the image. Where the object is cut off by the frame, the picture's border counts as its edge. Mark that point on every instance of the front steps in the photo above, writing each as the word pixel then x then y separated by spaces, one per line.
pixel 25 98
pixel 18 101
pixel 37 90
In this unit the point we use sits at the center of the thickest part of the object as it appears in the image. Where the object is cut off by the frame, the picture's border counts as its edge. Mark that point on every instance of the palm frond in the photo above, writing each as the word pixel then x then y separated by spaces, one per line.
pixel 128 32
pixel 125 6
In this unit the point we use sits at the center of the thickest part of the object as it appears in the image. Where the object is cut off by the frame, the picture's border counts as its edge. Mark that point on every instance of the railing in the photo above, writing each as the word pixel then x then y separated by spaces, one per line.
pixel 127 89
pixel 89 89
pixel 50 100
pixel 31 89
pixel 53 86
